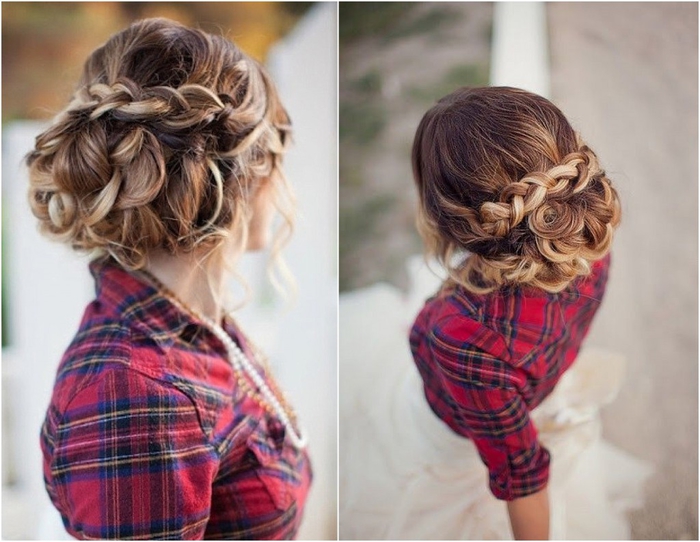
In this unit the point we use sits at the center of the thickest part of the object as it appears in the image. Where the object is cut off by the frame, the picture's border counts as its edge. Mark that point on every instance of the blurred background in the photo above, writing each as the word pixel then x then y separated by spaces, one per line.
pixel 396 59
pixel 626 76
pixel 46 286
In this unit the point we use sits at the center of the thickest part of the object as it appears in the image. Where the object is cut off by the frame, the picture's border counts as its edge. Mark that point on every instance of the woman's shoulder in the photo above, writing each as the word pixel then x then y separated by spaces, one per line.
pixel 104 348
pixel 511 323
pixel 134 358
pixel 455 323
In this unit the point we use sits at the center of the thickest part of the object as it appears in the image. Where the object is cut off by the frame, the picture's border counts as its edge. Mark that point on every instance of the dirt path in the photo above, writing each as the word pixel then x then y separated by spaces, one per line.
pixel 626 76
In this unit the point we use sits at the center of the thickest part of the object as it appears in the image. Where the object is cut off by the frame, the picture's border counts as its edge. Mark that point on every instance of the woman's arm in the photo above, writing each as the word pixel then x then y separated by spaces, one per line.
pixel 496 418
pixel 131 460
pixel 529 516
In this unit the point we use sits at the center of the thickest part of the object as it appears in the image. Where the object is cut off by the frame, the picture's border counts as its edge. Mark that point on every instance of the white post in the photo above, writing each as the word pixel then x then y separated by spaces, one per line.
pixel 304 68
pixel 519 52
pixel 48 289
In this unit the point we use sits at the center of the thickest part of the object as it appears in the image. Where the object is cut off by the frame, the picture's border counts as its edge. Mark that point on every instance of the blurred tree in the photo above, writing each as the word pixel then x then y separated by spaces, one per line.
pixel 44 44
pixel 396 59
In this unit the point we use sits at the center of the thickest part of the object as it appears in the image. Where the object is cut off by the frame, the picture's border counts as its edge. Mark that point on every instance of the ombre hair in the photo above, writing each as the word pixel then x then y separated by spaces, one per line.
pixel 169 136
pixel 509 194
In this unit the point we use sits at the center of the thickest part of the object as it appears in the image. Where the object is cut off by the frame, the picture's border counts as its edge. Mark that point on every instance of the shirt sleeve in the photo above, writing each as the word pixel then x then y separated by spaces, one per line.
pixel 494 416
pixel 131 461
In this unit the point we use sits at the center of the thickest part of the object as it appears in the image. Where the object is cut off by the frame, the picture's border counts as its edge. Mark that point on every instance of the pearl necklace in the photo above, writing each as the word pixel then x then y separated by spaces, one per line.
pixel 240 363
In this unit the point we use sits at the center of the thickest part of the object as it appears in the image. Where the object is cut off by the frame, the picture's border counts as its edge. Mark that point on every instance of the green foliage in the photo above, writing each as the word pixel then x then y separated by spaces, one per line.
pixel 361 19
pixel 426 23
pixel 358 224
pixel 350 174
pixel 471 75
pixel 388 21
pixel 297 9
pixel 361 122
pixel 369 84
pixel 376 214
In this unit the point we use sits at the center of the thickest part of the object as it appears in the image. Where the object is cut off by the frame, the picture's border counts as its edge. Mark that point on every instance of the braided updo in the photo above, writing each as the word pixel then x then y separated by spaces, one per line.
pixel 502 175
pixel 170 134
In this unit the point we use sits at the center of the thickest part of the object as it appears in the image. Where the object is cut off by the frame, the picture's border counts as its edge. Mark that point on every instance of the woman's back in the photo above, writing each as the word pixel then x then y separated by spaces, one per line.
pixel 487 360
pixel 146 410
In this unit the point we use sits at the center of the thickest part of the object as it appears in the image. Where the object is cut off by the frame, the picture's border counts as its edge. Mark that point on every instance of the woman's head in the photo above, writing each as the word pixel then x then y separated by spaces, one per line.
pixel 171 139
pixel 502 174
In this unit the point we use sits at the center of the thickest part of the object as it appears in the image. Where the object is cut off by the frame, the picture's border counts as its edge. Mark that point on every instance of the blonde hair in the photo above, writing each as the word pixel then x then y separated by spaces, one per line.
pixel 502 175
pixel 169 136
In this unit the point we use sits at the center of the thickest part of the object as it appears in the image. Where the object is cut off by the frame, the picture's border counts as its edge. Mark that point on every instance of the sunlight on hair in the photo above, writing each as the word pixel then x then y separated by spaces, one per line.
pixel 166 153
pixel 503 176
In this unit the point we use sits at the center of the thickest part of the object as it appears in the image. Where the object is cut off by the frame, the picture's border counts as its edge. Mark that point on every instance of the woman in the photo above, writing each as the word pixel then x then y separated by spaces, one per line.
pixel 165 421
pixel 520 215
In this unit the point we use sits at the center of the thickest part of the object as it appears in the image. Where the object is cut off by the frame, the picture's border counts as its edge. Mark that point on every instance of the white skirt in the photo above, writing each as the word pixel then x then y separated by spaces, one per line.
pixel 404 475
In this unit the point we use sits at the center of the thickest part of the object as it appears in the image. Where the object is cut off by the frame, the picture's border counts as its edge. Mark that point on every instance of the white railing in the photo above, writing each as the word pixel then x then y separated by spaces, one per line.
pixel 519 51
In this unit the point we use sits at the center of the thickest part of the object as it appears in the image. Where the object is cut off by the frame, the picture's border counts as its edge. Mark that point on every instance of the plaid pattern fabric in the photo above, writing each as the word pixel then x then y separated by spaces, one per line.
pixel 487 360
pixel 147 435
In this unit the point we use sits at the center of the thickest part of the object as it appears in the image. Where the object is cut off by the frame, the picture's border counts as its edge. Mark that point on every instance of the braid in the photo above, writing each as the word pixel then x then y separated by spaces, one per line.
pixel 542 227
pixel 134 163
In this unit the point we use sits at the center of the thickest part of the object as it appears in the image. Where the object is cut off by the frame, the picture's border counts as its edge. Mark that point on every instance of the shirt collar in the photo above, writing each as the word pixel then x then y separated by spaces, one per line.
pixel 141 305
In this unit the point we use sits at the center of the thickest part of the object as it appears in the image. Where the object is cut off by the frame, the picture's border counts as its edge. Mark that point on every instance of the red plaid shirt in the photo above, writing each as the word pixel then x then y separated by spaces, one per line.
pixel 148 437
pixel 487 360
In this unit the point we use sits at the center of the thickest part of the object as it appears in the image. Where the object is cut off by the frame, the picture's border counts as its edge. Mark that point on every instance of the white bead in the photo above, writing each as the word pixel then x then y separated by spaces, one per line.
pixel 240 362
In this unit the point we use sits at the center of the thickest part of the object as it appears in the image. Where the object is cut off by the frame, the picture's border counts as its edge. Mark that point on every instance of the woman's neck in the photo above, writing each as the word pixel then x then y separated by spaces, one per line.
pixel 195 285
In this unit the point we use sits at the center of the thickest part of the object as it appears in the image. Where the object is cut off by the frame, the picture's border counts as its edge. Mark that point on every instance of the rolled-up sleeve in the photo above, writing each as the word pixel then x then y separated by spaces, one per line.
pixel 499 424
pixel 130 460
pixel 490 411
